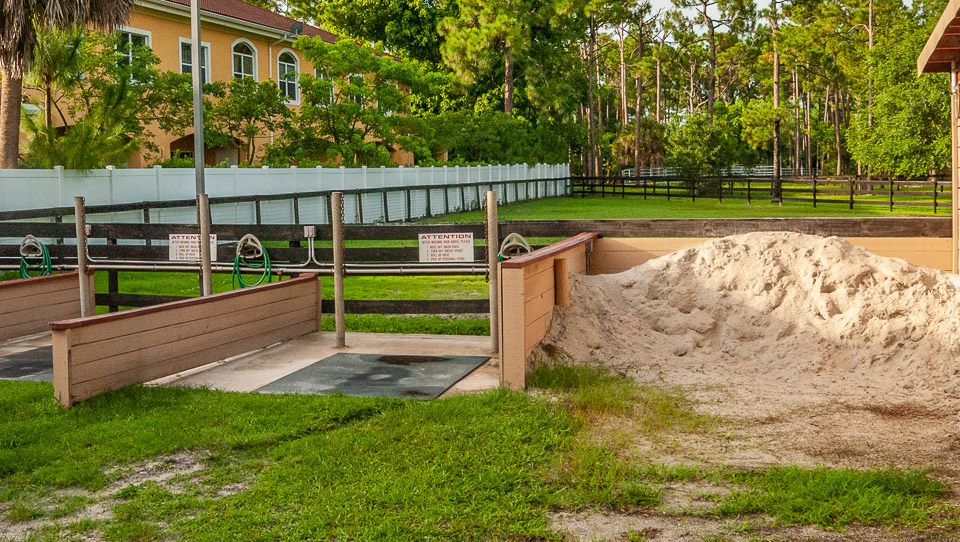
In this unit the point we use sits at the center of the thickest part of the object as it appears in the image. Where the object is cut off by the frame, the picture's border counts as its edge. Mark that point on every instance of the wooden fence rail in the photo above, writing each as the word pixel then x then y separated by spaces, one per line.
pixel 286 245
pixel 933 192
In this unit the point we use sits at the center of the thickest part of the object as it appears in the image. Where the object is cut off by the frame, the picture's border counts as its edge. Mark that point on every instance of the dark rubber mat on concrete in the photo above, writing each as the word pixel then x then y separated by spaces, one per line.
pixel 35 365
pixel 376 375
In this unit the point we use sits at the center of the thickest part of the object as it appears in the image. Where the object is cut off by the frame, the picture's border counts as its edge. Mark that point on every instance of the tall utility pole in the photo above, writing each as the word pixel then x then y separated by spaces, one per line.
pixel 196 56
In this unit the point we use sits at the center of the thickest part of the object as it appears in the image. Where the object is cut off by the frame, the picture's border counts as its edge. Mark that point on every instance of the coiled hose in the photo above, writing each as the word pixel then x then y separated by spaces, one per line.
pixel 31 247
pixel 248 248
pixel 513 245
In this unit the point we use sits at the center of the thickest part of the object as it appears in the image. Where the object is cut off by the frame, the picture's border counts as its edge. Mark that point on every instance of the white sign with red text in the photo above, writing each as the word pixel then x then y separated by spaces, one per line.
pixel 185 247
pixel 446 247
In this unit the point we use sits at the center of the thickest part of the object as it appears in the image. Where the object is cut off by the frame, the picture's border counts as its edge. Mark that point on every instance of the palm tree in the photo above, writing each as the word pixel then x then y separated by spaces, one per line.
pixel 57 65
pixel 19 21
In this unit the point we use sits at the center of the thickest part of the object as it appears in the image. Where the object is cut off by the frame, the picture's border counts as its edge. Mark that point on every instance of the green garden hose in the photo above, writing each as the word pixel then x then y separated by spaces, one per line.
pixel 513 245
pixel 248 248
pixel 30 247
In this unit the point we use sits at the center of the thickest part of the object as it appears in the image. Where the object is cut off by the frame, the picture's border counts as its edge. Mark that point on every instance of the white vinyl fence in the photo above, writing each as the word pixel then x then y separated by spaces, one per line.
pixel 410 194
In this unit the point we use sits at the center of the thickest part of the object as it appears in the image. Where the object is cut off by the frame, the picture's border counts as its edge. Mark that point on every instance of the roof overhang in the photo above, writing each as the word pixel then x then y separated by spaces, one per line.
pixel 215 18
pixel 943 46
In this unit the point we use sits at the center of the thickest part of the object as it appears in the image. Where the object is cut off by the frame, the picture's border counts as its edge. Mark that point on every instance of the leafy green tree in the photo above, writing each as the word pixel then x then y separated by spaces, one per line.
pixel 402 26
pixel 699 147
pixel 19 23
pixel 911 130
pixel 241 110
pixel 114 108
pixel 487 34
pixel 57 67
pixel 354 109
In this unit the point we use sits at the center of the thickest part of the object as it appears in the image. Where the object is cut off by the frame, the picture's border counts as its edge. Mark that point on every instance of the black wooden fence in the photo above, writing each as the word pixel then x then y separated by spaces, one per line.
pixel 933 192
pixel 286 245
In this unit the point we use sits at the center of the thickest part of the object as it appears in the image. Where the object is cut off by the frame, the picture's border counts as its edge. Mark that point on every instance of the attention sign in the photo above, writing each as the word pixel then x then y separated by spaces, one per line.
pixel 446 247
pixel 185 247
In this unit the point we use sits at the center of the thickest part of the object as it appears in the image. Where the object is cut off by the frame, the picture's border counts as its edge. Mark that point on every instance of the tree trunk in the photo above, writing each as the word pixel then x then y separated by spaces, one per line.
pixel 712 87
pixel 11 97
pixel 591 108
pixel 508 83
pixel 636 124
pixel 870 85
pixel 624 113
pixel 836 128
pixel 796 122
pixel 808 143
pixel 776 104
pixel 658 90
pixel 690 92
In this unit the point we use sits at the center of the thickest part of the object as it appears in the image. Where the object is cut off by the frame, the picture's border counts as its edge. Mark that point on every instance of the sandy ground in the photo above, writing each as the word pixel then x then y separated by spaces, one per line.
pixel 809 350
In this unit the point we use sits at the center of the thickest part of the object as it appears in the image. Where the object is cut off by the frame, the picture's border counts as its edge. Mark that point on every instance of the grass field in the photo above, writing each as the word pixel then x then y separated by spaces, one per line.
pixel 595 207
pixel 188 464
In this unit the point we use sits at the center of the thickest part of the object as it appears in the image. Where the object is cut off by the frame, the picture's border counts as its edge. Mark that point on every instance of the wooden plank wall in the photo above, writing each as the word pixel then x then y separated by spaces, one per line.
pixel 527 297
pixel 613 255
pixel 28 305
pixel 110 351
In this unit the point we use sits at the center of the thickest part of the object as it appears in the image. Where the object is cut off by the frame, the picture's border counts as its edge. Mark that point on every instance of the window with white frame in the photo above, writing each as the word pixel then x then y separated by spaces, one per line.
pixel 186 59
pixel 244 60
pixel 287 71
pixel 357 79
pixel 321 74
pixel 130 38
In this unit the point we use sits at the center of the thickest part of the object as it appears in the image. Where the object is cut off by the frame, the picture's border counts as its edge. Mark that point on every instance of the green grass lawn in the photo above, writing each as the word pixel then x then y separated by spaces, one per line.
pixel 481 467
pixel 597 208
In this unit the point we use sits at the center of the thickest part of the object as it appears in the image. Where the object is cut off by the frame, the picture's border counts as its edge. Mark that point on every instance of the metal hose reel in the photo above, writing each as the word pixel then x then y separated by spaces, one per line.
pixel 512 246
pixel 32 248
pixel 249 248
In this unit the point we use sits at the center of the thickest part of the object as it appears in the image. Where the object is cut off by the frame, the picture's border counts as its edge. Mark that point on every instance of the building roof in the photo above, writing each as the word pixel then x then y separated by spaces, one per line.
pixel 238 9
pixel 943 46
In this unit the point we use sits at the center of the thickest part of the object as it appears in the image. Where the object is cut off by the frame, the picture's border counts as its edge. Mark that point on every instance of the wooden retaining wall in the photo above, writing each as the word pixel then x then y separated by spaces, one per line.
pixel 110 351
pixel 28 305
pixel 528 292
pixel 616 254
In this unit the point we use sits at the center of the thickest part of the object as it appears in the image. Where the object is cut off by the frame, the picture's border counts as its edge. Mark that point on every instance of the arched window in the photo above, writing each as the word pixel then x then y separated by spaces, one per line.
pixel 287 71
pixel 327 98
pixel 244 60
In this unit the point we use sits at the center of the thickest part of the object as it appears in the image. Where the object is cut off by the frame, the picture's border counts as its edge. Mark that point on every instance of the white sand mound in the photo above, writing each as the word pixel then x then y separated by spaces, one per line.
pixel 770 306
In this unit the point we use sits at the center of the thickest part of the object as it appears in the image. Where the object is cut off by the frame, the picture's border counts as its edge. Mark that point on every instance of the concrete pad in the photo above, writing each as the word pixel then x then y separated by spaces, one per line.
pixel 27 358
pixel 378 375
pixel 251 371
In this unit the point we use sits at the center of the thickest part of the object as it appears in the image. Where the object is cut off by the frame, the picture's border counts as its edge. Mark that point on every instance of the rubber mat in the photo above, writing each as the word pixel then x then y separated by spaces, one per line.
pixel 377 375
pixel 35 365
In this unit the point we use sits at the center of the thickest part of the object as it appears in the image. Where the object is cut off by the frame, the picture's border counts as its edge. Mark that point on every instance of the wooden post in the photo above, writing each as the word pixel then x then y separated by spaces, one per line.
pixel 934 195
pixel 851 194
pixel 493 249
pixel 113 281
pixel 338 256
pixel 891 193
pixel 386 210
pixel 561 283
pixel 203 203
pixel 86 307
pixel 955 162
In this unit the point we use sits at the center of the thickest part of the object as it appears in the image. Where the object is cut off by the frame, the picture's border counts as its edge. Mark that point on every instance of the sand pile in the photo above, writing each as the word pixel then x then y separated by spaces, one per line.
pixel 770 307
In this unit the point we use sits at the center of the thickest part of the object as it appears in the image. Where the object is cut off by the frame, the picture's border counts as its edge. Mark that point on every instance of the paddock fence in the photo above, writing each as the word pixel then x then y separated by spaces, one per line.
pixel 927 192
pixel 391 249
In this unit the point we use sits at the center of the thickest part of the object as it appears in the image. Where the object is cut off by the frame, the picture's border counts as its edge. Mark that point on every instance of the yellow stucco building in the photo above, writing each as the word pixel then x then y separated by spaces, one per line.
pixel 239 39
